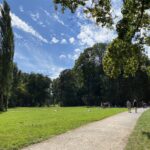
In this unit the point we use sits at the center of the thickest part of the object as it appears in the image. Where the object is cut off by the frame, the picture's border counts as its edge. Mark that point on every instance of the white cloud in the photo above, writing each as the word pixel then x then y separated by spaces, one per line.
pixel 77 50
pixel 42 24
pixel 73 57
pixel 91 34
pixel 147 50
pixel 148 11
pixel 35 16
pixel 52 71
pixel 21 9
pixel 18 36
pixel 72 40
pixel 116 10
pixel 46 12
pixel 75 54
pixel 22 25
pixel 58 19
pixel 56 71
pixel 62 56
pixel 63 41
pixel 20 56
pixel 54 40
pixel 33 64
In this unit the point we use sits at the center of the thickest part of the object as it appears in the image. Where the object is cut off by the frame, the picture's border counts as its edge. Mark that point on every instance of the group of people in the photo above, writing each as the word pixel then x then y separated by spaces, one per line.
pixel 129 105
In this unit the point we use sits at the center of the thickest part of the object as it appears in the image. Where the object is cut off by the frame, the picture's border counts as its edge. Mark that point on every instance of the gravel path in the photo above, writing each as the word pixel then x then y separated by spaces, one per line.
pixel 108 134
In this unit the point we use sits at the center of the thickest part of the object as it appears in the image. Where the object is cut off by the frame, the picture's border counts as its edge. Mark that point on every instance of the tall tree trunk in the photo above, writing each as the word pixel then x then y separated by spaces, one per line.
pixel 5 103
pixel 1 103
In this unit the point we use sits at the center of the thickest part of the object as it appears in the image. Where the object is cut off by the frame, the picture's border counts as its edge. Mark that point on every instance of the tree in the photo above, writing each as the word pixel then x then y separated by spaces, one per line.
pixel 17 80
pixel 89 72
pixel 99 9
pixel 30 89
pixel 6 56
pixel 38 87
pixel 65 89
pixel 56 91
pixel 122 56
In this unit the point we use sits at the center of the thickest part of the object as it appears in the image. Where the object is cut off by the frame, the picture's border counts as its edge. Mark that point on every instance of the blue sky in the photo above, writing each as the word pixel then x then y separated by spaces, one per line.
pixel 47 41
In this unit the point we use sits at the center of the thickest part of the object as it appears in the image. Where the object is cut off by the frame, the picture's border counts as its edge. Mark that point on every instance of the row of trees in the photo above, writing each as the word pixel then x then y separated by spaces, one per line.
pixel 87 83
pixel 123 60
pixel 30 89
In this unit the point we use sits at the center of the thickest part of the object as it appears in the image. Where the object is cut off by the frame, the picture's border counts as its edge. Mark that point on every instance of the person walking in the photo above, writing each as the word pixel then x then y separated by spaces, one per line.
pixel 129 106
pixel 135 105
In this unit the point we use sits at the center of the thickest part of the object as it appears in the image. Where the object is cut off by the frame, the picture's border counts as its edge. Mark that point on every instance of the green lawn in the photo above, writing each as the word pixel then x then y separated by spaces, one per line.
pixel 140 138
pixel 23 126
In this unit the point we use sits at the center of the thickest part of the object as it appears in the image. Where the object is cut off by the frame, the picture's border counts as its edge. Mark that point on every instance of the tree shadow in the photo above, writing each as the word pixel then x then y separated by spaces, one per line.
pixel 1 112
pixel 146 134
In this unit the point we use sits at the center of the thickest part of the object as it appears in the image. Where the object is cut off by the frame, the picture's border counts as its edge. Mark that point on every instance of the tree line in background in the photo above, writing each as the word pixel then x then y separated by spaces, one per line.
pixel 29 90
pixel 123 61
pixel 84 85
pixel 87 84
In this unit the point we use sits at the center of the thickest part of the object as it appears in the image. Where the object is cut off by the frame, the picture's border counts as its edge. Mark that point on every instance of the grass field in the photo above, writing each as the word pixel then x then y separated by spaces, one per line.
pixel 140 138
pixel 23 126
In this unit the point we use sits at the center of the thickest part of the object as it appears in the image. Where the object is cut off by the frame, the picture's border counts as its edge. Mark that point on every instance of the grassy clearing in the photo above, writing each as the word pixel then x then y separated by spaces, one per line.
pixel 23 126
pixel 140 138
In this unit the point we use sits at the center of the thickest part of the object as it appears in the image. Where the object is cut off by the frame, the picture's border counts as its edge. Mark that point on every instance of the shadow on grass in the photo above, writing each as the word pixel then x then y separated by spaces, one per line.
pixel 1 112
pixel 146 134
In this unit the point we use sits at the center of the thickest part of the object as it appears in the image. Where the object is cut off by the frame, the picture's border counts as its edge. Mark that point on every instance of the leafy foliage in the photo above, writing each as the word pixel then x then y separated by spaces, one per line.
pixel 100 10
pixel 88 71
pixel 89 85
pixel 30 90
pixel 6 56
pixel 65 90
pixel 122 55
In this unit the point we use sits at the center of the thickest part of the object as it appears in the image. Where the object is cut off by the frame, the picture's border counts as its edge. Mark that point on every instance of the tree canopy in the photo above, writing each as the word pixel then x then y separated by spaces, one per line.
pixel 30 89
pixel 124 54
pixel 87 84
pixel 6 55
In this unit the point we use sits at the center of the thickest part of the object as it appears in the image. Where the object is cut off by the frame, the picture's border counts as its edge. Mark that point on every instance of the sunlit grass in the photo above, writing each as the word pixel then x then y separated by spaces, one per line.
pixel 23 126
pixel 140 138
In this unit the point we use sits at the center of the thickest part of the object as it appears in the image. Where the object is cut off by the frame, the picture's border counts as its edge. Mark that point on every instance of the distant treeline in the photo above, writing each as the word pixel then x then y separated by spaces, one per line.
pixel 30 89
pixel 85 84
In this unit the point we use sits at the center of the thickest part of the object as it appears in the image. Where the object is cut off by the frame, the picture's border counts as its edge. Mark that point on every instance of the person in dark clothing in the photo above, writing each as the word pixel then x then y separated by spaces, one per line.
pixel 135 105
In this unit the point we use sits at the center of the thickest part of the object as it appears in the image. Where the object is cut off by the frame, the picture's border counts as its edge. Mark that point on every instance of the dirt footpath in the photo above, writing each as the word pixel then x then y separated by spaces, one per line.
pixel 108 134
